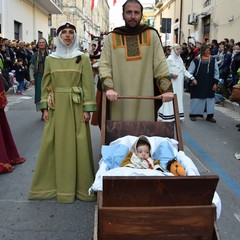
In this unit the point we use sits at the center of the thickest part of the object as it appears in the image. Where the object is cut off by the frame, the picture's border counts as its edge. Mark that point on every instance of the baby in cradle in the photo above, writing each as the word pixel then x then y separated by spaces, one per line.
pixel 140 156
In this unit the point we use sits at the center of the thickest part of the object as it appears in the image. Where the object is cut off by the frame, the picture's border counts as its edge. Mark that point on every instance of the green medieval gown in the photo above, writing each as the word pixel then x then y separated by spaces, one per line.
pixel 65 166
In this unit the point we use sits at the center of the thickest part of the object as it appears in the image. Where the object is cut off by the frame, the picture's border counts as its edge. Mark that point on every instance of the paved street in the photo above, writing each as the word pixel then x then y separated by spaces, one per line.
pixel 211 146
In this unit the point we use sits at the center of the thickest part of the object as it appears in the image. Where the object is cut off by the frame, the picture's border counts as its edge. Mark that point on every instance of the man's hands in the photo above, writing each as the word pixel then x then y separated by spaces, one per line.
pixel 167 96
pixel 112 95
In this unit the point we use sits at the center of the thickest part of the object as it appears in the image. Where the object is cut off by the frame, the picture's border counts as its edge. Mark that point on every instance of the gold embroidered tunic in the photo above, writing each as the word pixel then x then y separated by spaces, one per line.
pixel 131 65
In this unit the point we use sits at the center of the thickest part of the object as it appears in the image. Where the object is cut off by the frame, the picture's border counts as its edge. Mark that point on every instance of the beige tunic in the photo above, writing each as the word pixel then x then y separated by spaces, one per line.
pixel 130 64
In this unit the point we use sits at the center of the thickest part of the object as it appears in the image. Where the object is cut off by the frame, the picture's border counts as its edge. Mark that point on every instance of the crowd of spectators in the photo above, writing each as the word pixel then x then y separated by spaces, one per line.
pixel 13 52
pixel 227 54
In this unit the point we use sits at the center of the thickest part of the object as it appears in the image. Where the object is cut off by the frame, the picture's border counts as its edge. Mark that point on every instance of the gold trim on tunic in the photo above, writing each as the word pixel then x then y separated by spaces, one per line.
pixel 132 44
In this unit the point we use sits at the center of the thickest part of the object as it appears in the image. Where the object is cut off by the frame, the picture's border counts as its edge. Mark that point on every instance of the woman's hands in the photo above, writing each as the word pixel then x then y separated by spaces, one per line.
pixel 45 115
pixel 194 82
pixel 86 117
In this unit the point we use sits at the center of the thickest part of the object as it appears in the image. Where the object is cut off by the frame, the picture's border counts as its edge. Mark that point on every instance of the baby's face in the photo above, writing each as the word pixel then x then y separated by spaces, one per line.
pixel 143 152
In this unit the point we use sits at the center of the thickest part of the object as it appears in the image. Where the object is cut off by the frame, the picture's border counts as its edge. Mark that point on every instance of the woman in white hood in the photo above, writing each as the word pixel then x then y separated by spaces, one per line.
pixel 65 164
pixel 177 72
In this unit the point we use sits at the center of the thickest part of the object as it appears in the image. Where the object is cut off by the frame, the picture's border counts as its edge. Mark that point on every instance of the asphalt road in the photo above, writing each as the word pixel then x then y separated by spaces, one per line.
pixel 37 220
pixel 211 147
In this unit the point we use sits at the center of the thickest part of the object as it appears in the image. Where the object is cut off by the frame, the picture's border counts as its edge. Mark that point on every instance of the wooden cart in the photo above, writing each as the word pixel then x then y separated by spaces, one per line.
pixel 167 208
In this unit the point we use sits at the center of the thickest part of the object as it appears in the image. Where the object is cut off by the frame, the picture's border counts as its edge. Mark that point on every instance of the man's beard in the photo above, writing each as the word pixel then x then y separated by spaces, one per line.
pixel 130 26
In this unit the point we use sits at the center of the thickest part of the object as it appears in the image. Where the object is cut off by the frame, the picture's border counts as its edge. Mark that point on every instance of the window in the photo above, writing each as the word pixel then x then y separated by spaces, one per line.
pixel 17 30
pixel 49 20
pixel 40 34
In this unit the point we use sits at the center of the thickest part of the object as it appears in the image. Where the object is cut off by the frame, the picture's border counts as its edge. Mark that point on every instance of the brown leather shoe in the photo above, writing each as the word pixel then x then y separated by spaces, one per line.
pixel 193 118
pixel 212 120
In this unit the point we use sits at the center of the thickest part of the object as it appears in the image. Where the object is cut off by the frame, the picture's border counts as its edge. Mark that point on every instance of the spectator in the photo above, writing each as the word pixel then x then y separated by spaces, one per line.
pixel 184 52
pixel 37 68
pixel 220 52
pixel 214 49
pixel 190 55
pixel 197 49
pixel 177 72
pixel 34 46
pixel 22 53
pixel 167 51
pixel 94 54
pixel 6 62
pixel 232 44
pixel 226 40
pixel 202 93
pixel 235 65
pixel 224 69
pixel 205 41
pixel 20 73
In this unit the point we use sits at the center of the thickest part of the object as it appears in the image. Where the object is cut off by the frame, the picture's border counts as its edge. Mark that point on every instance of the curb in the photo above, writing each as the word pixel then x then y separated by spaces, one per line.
pixel 232 105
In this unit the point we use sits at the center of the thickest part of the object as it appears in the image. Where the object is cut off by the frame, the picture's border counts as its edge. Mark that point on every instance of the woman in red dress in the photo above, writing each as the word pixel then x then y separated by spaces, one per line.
pixel 9 155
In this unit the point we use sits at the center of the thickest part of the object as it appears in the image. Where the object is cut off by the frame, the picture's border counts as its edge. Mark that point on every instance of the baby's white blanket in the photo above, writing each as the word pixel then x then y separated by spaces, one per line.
pixel 163 149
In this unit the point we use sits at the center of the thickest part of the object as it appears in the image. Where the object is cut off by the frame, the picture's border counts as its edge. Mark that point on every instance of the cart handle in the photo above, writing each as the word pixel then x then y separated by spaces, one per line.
pixel 176 114
pixel 141 97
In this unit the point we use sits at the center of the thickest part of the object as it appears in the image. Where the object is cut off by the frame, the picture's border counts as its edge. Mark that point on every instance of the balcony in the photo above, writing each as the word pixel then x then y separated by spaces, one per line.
pixel 49 5
pixel 207 3
pixel 158 3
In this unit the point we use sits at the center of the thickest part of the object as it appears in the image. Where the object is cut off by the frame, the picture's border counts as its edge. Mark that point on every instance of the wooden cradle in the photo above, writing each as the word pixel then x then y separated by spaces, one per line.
pixel 153 207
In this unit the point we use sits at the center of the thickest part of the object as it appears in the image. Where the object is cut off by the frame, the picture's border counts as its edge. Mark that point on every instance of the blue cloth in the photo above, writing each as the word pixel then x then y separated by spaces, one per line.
pixel 113 155
pixel 164 153
pixel 219 98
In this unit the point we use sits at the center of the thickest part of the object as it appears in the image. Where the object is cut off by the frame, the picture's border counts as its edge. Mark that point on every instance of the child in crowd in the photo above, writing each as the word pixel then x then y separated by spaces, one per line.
pixel 20 73
pixel 140 157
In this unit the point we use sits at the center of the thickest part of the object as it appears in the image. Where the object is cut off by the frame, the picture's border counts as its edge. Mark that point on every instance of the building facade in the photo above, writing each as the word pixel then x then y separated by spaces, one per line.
pixel 26 20
pixel 89 21
pixel 214 19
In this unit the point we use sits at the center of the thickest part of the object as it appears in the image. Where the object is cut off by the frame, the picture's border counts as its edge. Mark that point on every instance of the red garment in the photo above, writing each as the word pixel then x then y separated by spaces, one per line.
pixel 8 152
pixel 196 51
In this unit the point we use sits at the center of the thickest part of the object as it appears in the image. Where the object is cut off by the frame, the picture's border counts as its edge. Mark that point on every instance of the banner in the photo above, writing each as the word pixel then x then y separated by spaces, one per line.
pixel 94 4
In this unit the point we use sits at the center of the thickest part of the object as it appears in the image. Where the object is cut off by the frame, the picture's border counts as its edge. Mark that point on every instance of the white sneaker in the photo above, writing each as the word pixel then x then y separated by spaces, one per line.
pixel 237 155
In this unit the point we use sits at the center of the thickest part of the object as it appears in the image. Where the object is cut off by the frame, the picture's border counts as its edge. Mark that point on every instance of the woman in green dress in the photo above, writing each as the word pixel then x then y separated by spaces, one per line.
pixel 65 168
